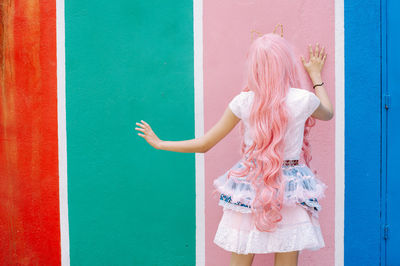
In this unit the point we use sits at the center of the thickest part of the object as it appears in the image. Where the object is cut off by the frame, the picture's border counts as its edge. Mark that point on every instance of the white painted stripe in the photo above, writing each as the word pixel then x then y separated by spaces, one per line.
pixel 339 132
pixel 199 129
pixel 62 134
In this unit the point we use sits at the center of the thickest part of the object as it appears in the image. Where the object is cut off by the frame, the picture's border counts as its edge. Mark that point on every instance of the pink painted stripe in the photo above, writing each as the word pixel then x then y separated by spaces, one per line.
pixel 226 29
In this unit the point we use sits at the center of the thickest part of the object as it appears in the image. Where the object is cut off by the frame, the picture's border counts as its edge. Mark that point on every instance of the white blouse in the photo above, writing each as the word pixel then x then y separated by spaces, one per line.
pixel 301 104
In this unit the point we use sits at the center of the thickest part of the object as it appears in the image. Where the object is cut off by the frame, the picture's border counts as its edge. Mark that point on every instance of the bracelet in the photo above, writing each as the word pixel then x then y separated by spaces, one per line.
pixel 318 85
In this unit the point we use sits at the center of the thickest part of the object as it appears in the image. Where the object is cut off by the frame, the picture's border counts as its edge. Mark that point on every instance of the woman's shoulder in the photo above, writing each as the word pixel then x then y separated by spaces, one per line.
pixel 246 93
pixel 244 96
pixel 239 103
pixel 304 100
pixel 300 95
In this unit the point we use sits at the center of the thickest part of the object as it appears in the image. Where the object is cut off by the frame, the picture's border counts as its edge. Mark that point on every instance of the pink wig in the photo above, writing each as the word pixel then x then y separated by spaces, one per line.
pixel 272 69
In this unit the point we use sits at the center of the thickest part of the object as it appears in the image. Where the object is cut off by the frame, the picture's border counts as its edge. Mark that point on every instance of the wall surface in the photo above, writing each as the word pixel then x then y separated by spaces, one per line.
pixel 129 204
pixel 125 203
pixel 363 133
pixel 227 27
pixel 29 205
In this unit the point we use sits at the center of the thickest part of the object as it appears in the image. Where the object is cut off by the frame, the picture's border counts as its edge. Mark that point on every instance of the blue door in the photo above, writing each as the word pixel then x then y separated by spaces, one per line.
pixel 391 132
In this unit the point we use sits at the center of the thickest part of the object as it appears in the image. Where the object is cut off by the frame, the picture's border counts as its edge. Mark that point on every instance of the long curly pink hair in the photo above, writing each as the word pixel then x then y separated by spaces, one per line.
pixel 272 69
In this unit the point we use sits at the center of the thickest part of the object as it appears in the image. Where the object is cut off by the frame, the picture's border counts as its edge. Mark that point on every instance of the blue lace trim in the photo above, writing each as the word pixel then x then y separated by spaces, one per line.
pixel 312 203
pixel 229 200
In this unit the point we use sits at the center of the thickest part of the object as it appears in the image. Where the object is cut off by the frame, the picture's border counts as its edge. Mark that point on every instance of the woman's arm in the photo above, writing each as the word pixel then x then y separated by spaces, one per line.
pixel 199 145
pixel 314 68
pixel 325 109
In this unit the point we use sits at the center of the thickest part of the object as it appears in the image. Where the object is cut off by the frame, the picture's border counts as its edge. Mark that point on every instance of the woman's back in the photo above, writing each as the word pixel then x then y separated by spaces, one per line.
pixel 300 103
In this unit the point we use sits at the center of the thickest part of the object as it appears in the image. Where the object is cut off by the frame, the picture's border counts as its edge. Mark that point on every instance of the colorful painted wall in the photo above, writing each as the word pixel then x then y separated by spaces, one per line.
pixel 127 203
pixel 363 135
pixel 29 193
pixel 79 187
pixel 224 58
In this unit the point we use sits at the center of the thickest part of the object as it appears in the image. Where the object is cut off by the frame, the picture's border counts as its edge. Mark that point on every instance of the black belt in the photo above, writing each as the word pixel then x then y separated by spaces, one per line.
pixel 290 162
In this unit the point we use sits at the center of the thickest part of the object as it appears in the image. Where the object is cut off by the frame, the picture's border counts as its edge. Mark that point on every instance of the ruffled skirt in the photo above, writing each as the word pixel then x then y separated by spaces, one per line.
pixel 299 228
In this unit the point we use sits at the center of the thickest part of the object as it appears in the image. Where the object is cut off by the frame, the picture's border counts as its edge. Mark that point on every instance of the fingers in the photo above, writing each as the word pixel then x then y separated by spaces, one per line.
pixel 322 55
pixel 140 129
pixel 317 50
pixel 321 52
pixel 145 123
pixel 310 50
pixel 143 126
pixel 303 60
pixel 323 59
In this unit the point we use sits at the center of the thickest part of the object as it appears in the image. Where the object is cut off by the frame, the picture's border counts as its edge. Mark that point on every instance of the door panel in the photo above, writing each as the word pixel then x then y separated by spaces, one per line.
pixel 393 132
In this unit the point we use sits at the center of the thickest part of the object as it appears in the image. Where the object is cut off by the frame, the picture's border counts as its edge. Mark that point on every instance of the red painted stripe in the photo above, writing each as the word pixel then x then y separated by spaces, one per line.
pixel 29 217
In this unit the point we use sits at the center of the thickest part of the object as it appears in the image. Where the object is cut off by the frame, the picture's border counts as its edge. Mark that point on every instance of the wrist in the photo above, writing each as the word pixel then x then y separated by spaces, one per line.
pixel 316 78
pixel 159 145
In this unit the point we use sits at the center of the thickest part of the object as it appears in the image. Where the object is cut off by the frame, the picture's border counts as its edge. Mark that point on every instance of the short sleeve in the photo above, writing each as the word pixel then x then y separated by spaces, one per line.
pixel 236 104
pixel 312 103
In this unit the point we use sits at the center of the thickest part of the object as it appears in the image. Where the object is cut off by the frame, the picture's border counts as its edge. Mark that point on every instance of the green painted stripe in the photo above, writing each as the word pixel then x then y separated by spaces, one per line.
pixel 129 204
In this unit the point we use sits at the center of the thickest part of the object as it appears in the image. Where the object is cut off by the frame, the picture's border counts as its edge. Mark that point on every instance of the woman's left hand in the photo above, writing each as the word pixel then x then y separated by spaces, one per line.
pixel 317 61
pixel 148 135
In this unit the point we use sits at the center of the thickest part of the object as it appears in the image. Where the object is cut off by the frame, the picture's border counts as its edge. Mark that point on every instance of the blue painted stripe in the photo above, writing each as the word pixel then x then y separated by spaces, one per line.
pixel 362 132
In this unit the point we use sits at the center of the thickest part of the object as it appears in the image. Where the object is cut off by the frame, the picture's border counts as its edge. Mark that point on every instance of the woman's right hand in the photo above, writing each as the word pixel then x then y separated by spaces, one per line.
pixel 148 134
pixel 316 62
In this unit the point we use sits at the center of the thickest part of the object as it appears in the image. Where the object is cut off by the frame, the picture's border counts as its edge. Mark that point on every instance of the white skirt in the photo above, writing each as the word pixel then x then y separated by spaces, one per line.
pixel 299 228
